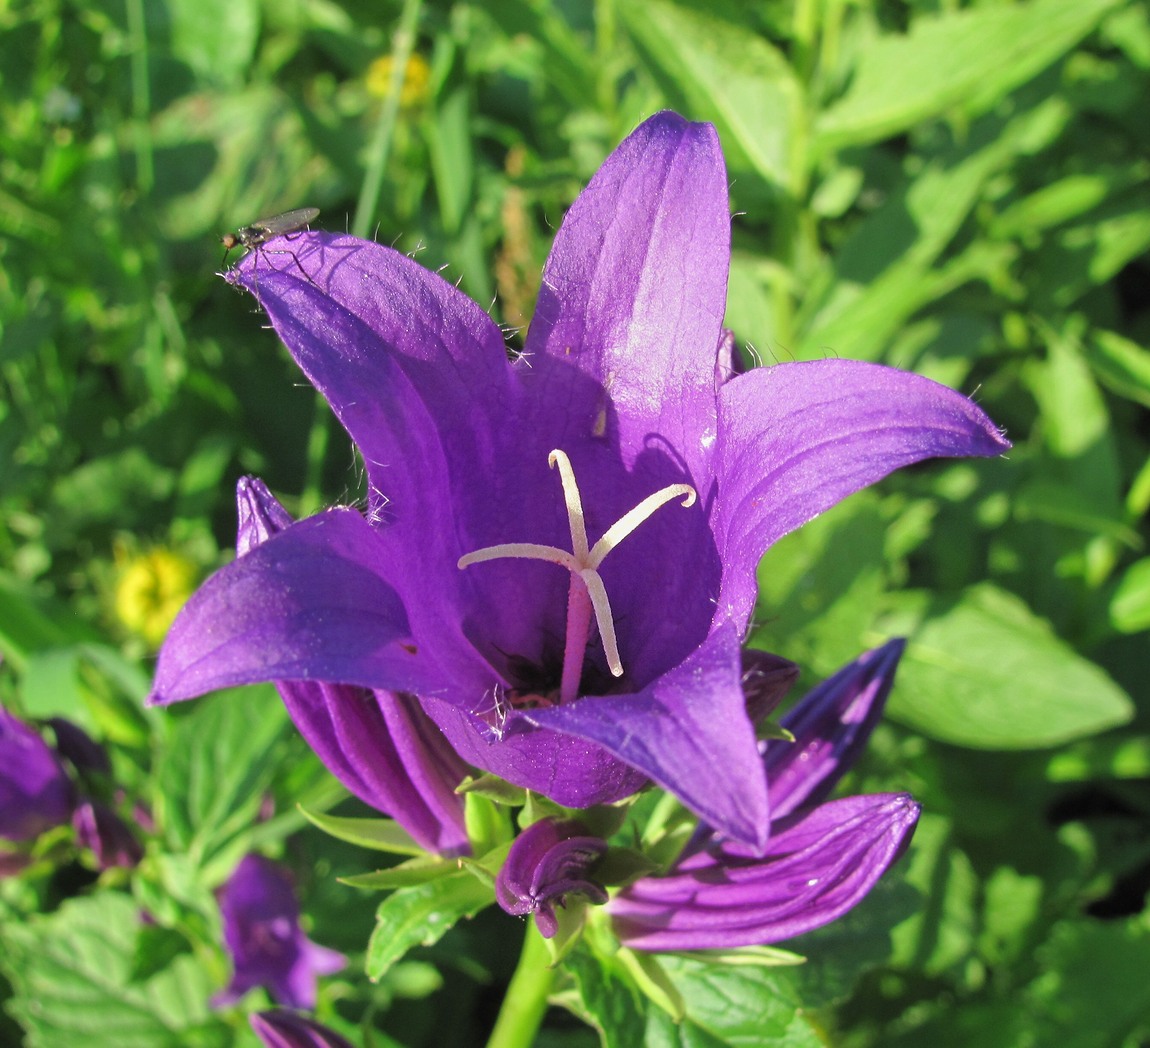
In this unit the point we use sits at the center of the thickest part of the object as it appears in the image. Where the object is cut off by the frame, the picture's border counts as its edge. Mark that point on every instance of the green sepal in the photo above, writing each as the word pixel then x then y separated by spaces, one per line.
pixel 384 835
pixel 649 976
pixel 414 871
pixel 494 788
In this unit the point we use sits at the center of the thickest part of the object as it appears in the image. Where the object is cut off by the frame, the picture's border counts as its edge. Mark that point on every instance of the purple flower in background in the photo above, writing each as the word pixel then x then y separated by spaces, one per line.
pixel 280 1028
pixel 558 553
pixel 111 839
pixel 822 858
pixel 263 935
pixel 549 861
pixel 35 791
pixel 379 744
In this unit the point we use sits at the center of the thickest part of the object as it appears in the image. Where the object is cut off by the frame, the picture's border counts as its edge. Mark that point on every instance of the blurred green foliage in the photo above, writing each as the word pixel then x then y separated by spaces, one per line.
pixel 957 188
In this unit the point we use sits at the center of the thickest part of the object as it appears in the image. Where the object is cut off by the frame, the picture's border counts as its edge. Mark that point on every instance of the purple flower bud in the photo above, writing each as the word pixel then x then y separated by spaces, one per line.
pixel 98 827
pixel 819 864
pixel 280 1028
pixel 263 935
pixel 548 861
pixel 821 859
pixel 379 744
pixel 35 791
pixel 78 748
pixel 831 725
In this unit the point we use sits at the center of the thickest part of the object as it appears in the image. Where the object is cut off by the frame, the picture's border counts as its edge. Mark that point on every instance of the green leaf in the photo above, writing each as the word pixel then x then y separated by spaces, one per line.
pixel 1094 989
pixel 966 60
pixel 1130 605
pixel 217 38
pixel 606 999
pixel 377 834
pixel 1122 365
pixel 421 915
pixel 986 672
pixel 887 269
pixel 212 774
pixel 728 74
pixel 940 934
pixel 72 976
pixel 26 628
pixel 744 1007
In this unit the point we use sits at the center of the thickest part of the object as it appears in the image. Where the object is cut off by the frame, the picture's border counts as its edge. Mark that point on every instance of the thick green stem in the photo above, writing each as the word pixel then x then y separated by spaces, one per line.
pixel 526 1001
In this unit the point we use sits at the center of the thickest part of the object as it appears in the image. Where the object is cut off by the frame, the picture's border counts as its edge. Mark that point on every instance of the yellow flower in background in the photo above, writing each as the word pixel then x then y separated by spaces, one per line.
pixel 151 586
pixel 416 80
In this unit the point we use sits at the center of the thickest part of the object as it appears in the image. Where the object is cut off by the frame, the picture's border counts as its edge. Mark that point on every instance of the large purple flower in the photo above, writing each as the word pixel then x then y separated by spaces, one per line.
pixel 822 858
pixel 558 553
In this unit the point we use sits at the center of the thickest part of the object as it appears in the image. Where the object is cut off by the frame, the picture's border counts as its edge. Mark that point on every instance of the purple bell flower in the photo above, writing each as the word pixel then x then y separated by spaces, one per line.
pixel 822 857
pixel 280 1028
pixel 263 935
pixel 549 861
pixel 379 744
pixel 558 552
pixel 35 791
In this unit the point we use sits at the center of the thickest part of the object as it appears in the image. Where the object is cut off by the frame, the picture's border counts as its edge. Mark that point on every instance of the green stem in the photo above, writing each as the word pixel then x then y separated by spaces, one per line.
pixel 141 96
pixel 526 1000
pixel 311 498
pixel 401 49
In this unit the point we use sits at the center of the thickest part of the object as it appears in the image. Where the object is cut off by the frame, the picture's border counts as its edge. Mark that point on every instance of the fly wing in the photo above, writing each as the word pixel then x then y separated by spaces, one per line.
pixel 288 222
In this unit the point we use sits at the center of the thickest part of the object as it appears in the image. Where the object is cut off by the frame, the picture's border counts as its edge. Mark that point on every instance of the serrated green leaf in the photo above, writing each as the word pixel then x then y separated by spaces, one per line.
pixel 606 999
pixel 212 773
pixel 744 1007
pixel 986 672
pixel 725 73
pixel 422 915
pixel 384 835
pixel 72 977
pixel 966 59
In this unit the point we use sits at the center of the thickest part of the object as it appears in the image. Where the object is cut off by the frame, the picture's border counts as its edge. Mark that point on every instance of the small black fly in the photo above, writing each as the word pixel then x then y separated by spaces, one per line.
pixel 264 229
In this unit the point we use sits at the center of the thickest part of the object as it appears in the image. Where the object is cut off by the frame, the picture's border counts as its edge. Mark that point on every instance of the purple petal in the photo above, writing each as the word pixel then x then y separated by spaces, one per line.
pixel 689 731
pixel 311 603
pixel 35 791
pixel 817 869
pixel 634 292
pixel 280 1028
pixel 831 725
pixel 571 771
pixel 410 365
pixel 386 751
pixel 380 745
pixel 794 439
